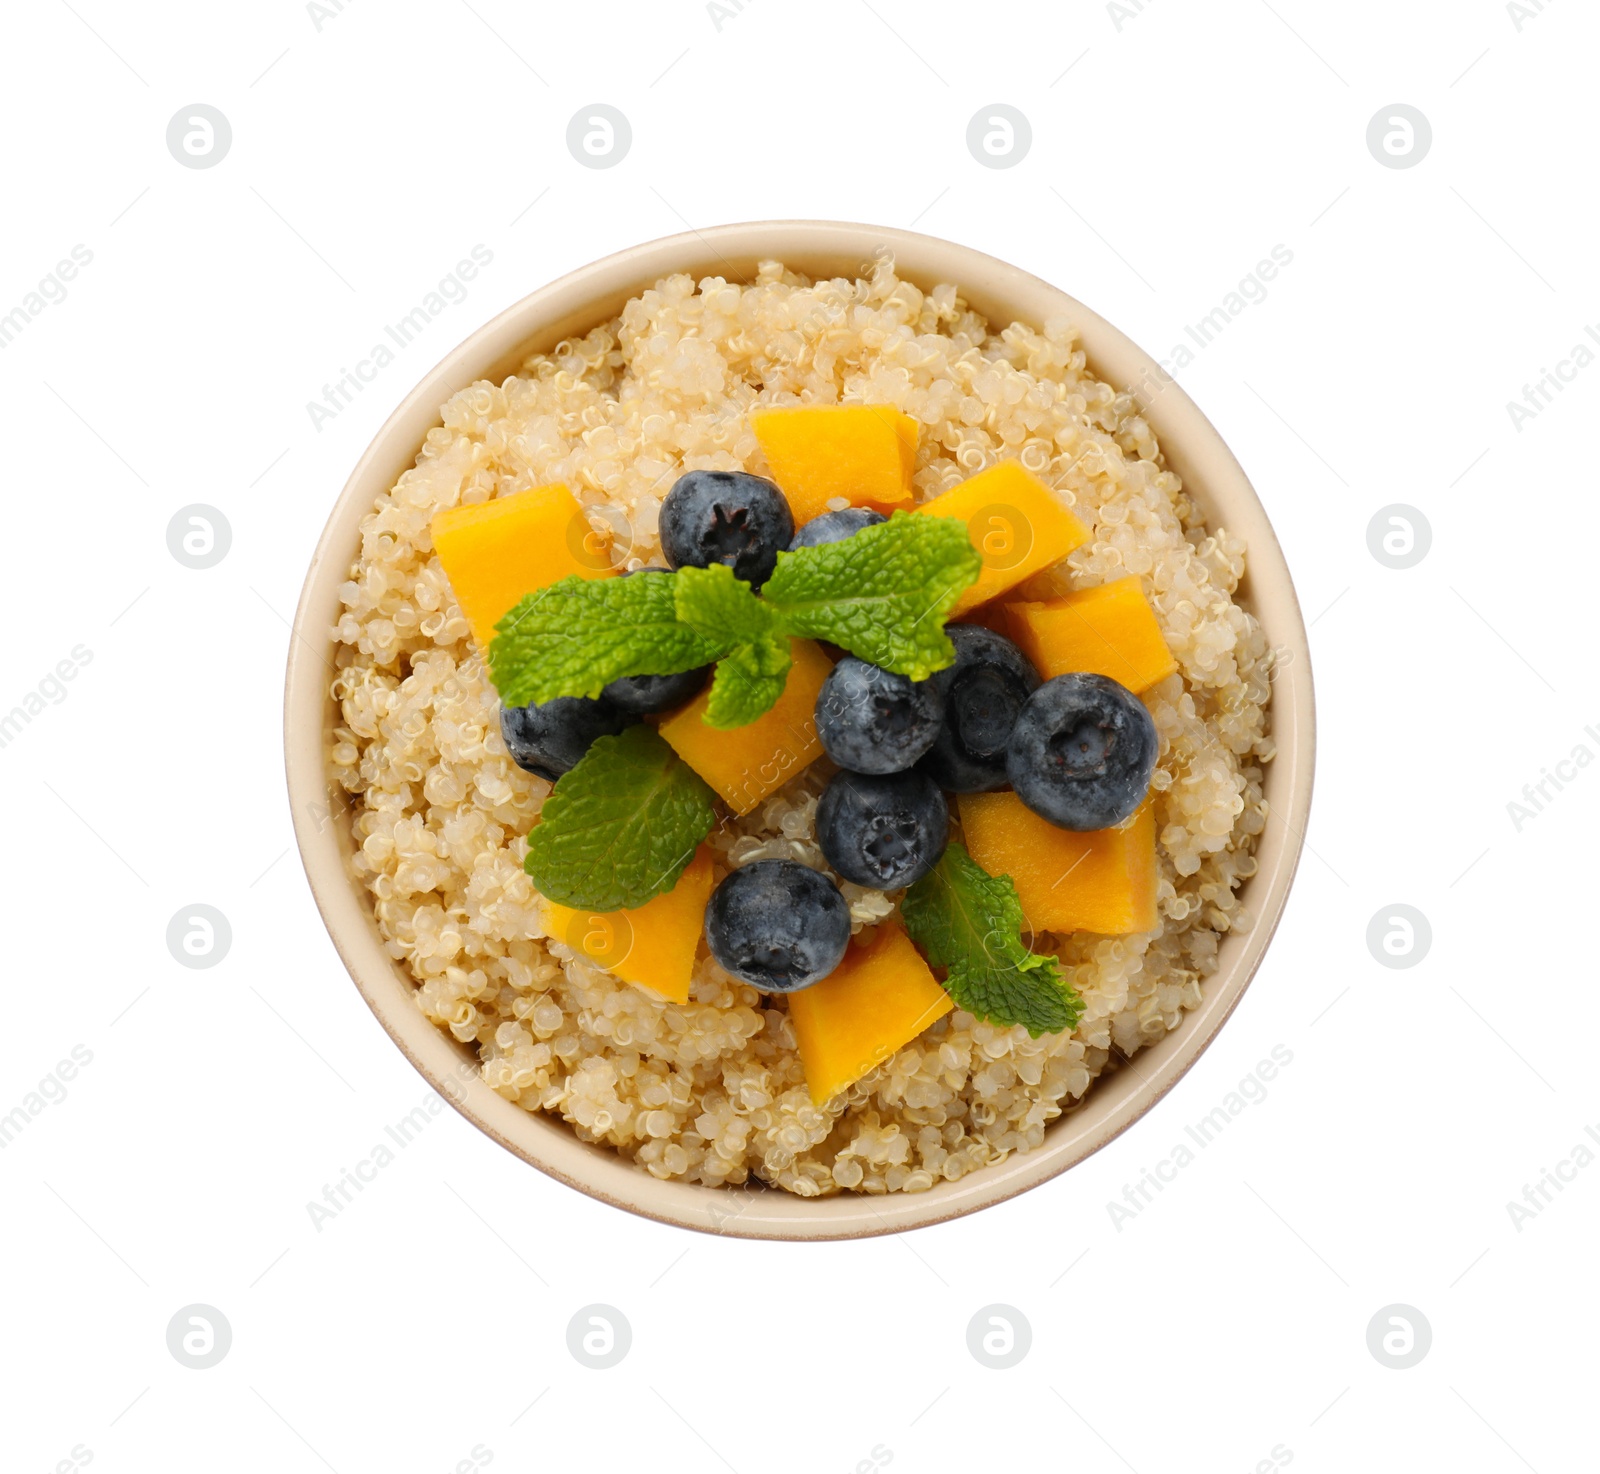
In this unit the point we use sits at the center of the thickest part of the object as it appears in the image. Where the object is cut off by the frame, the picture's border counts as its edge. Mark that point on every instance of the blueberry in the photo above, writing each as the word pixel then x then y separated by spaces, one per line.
pixel 640 695
pixel 982 695
pixel 883 831
pixel 835 527
pixel 778 925
pixel 872 721
pixel 549 739
pixel 1082 752
pixel 726 517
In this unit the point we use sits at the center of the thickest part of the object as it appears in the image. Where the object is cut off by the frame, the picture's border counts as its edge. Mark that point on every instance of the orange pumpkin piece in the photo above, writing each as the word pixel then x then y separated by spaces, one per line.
pixel 1104 881
pixel 1017 524
pixel 878 999
pixel 494 552
pixel 864 453
pixel 747 763
pixel 653 945
pixel 1109 631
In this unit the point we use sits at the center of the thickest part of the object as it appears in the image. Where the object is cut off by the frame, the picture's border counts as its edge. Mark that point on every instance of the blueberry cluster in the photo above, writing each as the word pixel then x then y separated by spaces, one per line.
pixel 1078 750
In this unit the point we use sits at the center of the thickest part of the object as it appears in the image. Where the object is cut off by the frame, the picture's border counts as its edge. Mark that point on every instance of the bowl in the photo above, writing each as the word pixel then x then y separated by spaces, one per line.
pixel 573 305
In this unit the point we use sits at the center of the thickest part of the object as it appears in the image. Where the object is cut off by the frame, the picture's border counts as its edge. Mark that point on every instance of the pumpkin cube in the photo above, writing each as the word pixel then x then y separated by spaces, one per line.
pixel 878 999
pixel 1109 631
pixel 747 763
pixel 1102 882
pixel 653 945
pixel 1017 524
pixel 494 552
pixel 861 452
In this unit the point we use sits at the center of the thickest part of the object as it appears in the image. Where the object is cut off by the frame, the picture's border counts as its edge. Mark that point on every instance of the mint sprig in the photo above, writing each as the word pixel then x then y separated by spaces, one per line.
pixel 970 923
pixel 751 674
pixel 577 636
pixel 883 593
pixel 621 826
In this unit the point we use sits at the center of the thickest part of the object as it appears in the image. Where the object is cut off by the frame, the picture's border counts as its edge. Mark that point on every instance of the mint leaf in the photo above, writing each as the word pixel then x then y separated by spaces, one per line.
pixel 970 923
pixel 882 593
pixel 748 682
pixel 621 826
pixel 716 603
pixel 578 635
pixel 751 674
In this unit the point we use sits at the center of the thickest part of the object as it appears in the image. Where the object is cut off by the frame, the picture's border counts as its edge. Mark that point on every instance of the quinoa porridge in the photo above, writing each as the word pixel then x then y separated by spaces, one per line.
pixel 713 1091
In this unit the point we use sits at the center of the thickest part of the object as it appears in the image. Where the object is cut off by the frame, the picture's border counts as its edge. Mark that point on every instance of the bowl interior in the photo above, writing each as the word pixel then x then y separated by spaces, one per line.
pixel 577 303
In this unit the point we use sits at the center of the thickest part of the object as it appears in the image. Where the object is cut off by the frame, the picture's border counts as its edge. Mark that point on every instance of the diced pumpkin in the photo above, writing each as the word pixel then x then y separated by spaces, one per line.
pixel 878 999
pixel 1016 523
pixel 1104 881
pixel 991 616
pixel 652 945
pixel 1110 631
pixel 864 453
pixel 494 552
pixel 747 763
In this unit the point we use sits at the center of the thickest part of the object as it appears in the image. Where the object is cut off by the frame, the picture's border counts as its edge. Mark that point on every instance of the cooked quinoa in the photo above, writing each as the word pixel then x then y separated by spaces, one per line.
pixel 713 1091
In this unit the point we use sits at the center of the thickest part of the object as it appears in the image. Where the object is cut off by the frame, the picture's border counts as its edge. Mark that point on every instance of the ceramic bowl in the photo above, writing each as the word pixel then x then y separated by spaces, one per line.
pixel 571 306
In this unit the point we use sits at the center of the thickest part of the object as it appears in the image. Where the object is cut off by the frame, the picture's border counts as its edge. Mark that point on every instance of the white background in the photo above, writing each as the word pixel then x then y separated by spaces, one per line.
pixel 1170 153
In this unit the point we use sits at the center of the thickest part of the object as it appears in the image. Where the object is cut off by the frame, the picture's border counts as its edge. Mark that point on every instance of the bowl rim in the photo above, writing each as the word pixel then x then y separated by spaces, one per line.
pixel 1191 446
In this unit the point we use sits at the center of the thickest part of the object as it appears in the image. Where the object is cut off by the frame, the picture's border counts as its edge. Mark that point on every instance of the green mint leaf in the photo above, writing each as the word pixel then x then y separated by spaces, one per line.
pixel 621 826
pixel 970 923
pixel 751 674
pixel 883 593
pixel 716 603
pixel 748 682
pixel 578 635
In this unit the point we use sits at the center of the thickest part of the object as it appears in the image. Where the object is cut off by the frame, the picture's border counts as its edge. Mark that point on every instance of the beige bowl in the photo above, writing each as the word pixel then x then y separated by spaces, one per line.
pixel 577 303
